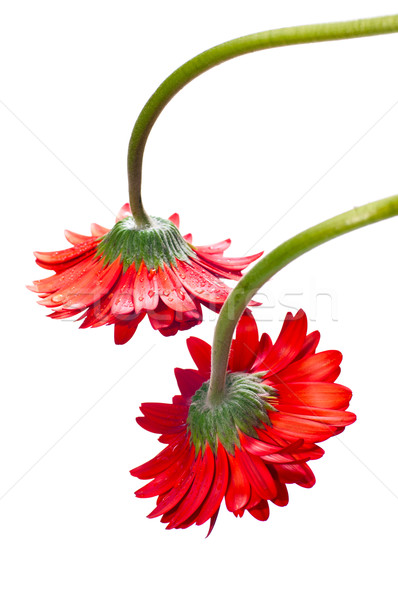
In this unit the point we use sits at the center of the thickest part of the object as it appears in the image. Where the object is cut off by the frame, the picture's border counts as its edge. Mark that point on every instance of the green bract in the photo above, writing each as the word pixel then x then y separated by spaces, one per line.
pixel 243 407
pixel 160 243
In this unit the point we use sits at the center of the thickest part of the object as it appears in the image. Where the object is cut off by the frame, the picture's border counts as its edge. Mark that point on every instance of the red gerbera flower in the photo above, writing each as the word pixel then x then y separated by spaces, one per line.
pixel 117 276
pixel 280 400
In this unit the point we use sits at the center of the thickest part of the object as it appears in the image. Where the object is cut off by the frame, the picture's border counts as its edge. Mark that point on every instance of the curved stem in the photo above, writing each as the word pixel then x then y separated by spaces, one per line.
pixel 284 254
pixel 289 36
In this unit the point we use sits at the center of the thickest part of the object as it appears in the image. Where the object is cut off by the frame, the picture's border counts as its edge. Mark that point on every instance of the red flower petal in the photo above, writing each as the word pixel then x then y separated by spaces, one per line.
pixel 51 284
pixel 173 413
pixel 125 331
pixel 212 522
pixel 165 459
pixel 172 291
pixel 86 289
pixel 98 231
pixel 189 381
pixel 300 474
pixel 257 446
pixel 259 476
pixel 319 367
pixel 199 489
pixel 189 318
pixel 167 479
pixel 255 499
pixel 218 488
pixel 340 418
pixel 315 394
pixel 62 256
pixel 179 488
pixel 162 418
pixel 245 345
pixel 93 286
pixel 156 427
pixel 202 284
pixel 238 491
pixel 308 451
pixel 296 427
pixel 123 303
pixel 64 314
pixel 201 354
pixel 288 344
pixel 263 350
pixel 124 212
pixel 168 331
pixel 309 346
pixel 261 511
pixel 145 293
pixel 99 313
pixel 219 272
pixel 162 317
pixel 175 218
pixel 229 264
pixel 76 238
pixel 217 248
pixel 282 497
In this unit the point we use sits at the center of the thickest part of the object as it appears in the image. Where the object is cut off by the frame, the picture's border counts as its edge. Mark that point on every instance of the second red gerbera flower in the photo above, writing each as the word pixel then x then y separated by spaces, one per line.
pixel 117 276
pixel 280 400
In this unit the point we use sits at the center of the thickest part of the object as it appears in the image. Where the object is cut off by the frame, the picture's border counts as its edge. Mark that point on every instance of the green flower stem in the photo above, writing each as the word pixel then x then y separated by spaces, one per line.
pixel 201 63
pixel 284 254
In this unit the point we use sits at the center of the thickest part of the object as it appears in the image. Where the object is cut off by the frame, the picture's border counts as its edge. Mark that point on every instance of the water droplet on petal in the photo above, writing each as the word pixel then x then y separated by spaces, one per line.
pixel 140 298
pixel 165 293
pixel 151 293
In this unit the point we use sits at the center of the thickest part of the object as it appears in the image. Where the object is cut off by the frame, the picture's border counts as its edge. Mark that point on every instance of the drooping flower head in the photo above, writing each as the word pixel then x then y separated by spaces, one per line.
pixel 280 400
pixel 117 276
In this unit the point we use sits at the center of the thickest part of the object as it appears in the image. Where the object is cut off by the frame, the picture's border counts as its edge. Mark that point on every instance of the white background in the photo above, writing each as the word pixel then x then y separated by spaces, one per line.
pixel 256 150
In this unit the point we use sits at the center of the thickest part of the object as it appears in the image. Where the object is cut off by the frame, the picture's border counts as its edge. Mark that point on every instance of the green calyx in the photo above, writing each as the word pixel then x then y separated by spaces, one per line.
pixel 156 245
pixel 243 407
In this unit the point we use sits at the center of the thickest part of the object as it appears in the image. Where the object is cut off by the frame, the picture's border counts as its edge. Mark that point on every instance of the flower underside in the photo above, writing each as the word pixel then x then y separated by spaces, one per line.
pixel 117 276
pixel 156 245
pixel 243 408
pixel 281 400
